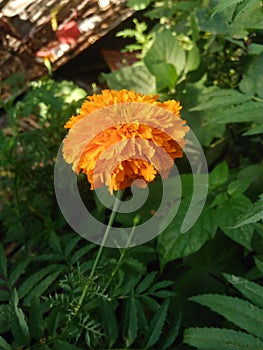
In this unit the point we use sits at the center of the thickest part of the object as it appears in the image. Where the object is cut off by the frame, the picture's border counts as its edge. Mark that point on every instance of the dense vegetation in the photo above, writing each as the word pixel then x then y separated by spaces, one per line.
pixel 202 289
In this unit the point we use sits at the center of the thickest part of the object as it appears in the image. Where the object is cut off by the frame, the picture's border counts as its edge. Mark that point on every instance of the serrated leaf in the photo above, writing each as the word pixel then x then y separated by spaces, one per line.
pixel 130 321
pixel 160 285
pixel 221 98
pixel 150 302
pixel 54 242
pixel 109 319
pixel 35 320
pixel 221 339
pixel 142 319
pixel 173 333
pixel 129 283
pixel 240 312
pixel 40 288
pixel 18 271
pixel 63 345
pixel 251 290
pixel 71 245
pixel 259 264
pixel 164 294
pixel 80 253
pixel 136 265
pixel 252 215
pixel 146 282
pixel 19 327
pixel 156 325
pixel 245 112
pixel 33 279
pixel 4 345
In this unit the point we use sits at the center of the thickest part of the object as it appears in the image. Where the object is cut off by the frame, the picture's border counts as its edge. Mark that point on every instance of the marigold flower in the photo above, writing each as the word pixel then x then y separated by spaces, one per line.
pixel 120 136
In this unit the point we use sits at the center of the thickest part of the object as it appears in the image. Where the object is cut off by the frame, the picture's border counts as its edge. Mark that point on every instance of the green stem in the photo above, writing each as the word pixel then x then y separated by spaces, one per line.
pixel 123 252
pixel 111 220
pixel 109 226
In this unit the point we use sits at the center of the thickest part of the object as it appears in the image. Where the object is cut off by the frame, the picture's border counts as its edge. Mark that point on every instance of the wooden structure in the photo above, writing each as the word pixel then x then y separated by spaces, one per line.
pixel 38 33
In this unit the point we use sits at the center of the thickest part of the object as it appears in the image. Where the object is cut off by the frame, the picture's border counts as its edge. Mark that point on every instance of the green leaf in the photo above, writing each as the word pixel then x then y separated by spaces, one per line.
pixel 224 4
pixel 109 319
pixel 218 175
pixel 34 278
pixel 18 271
pixel 255 49
pixel 151 303
pixel 172 244
pixel 245 112
pixel 252 82
pixel 192 60
pixel 138 5
pixel 35 319
pixel 63 345
pixel 80 253
pixel 136 265
pixel 156 325
pixel 240 312
pixel 165 74
pixel 130 321
pixel 230 209
pixel 251 290
pixel 130 282
pixel 221 98
pixel 252 215
pixel 221 339
pixel 54 242
pixel 166 49
pixel 173 333
pixel 40 288
pixel 4 318
pixel 19 327
pixel 3 263
pixel 238 187
pixel 159 285
pixel 146 282
pixel 254 130
pixel 71 245
pixel 136 77
pixel 259 264
pixel 4 345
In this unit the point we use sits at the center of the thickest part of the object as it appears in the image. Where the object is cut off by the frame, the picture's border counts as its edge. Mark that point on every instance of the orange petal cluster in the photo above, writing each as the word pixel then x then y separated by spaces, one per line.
pixel 121 136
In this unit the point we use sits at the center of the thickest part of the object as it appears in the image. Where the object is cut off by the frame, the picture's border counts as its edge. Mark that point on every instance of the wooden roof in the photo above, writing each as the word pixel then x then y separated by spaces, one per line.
pixel 34 32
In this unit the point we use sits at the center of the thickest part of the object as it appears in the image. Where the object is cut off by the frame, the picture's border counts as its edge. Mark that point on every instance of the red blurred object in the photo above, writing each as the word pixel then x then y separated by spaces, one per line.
pixel 117 60
pixel 69 33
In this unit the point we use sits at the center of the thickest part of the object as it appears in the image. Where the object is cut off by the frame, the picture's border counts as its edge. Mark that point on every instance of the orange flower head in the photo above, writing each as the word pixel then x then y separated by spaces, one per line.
pixel 121 136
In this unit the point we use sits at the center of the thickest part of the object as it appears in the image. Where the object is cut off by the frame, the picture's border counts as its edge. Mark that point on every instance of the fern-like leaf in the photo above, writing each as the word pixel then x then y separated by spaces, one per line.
pixel 221 339
pixel 156 325
pixel 240 312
